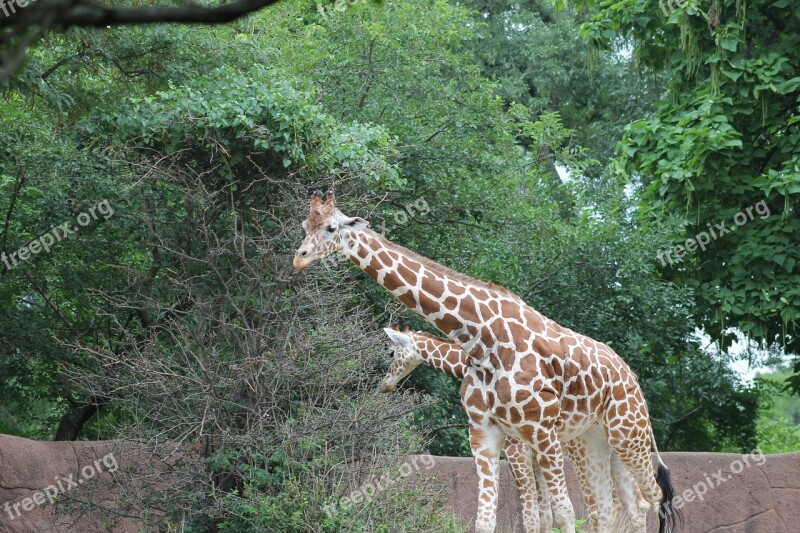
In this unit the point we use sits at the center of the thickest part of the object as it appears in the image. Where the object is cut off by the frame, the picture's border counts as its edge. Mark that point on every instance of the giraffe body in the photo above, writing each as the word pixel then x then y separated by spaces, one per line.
pixel 593 459
pixel 523 364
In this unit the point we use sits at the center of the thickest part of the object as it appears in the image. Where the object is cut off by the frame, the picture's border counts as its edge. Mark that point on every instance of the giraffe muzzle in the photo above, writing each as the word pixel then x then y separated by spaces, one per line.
pixel 302 259
pixel 386 387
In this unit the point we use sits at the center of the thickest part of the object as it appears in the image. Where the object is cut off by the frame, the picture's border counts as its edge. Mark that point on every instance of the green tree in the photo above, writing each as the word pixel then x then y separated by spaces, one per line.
pixel 496 210
pixel 535 54
pixel 779 423
pixel 396 106
pixel 722 152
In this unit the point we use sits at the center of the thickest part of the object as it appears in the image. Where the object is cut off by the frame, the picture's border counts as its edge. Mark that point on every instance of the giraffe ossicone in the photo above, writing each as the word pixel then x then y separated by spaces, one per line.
pixel 529 387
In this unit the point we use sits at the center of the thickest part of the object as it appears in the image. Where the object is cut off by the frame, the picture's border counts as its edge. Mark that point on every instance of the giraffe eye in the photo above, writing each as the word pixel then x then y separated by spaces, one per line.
pixel 331 228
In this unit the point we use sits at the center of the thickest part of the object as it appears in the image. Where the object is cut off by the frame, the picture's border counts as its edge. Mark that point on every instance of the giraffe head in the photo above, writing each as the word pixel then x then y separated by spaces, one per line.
pixel 327 230
pixel 405 359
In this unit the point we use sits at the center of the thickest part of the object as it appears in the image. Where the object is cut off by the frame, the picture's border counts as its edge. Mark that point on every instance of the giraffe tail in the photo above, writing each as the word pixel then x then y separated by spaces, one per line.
pixel 668 516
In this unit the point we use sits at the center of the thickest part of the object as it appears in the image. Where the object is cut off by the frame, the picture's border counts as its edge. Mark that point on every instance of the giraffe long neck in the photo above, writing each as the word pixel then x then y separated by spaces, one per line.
pixel 491 325
pixel 442 355
pixel 449 302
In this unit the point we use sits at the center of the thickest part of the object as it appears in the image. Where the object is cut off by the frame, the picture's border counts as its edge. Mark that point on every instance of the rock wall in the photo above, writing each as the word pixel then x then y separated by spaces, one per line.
pixel 34 473
pixel 723 493
pixel 720 492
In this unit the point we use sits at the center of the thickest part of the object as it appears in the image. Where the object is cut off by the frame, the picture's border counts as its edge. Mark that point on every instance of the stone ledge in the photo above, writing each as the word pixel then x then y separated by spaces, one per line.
pixel 762 494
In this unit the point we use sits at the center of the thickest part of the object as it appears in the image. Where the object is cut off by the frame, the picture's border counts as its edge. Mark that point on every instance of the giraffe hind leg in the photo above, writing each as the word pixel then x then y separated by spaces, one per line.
pixel 632 444
pixel 545 508
pixel 549 456
pixel 593 464
pixel 575 450
pixel 519 460
pixel 635 507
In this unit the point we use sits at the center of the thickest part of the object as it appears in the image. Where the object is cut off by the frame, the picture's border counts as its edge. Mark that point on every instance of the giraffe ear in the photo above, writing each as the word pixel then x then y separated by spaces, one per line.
pixel 355 223
pixel 399 338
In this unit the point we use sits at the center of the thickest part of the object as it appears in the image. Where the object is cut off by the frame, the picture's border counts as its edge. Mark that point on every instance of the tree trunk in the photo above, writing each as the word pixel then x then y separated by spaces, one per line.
pixel 79 413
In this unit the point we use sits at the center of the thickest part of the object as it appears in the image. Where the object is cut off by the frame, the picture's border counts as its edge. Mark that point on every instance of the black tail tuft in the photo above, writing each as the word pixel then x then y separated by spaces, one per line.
pixel 667 514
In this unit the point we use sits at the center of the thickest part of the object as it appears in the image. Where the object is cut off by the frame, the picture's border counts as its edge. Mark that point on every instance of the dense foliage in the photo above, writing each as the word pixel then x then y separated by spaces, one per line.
pixel 779 424
pixel 722 152
pixel 482 136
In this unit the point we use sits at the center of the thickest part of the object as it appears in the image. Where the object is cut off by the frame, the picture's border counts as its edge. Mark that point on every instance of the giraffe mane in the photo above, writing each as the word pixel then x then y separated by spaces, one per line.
pixel 320 213
pixel 449 272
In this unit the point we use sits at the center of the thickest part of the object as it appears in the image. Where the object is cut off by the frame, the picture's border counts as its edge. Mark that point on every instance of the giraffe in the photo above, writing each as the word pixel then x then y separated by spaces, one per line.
pixel 412 348
pixel 531 378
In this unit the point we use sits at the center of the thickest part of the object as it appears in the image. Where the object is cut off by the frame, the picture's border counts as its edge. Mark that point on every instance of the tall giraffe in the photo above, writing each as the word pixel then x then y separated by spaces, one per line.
pixel 412 348
pixel 525 378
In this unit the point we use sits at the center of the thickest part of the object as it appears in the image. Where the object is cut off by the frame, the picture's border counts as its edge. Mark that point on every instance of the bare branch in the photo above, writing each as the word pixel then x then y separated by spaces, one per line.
pixel 88 15
pixel 22 27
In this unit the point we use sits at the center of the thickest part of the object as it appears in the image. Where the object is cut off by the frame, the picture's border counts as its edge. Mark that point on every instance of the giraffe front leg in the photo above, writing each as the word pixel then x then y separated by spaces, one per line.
pixel 519 459
pixel 486 443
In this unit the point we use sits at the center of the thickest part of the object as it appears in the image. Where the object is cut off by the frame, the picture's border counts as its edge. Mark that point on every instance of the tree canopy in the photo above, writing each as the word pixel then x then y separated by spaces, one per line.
pixel 721 152
pixel 487 136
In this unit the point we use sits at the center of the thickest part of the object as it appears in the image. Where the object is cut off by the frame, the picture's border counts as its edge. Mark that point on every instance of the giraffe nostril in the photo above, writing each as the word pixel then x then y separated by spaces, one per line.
pixel 304 253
